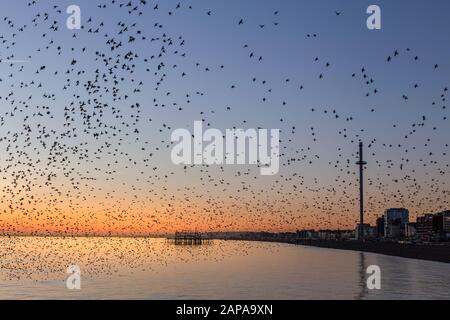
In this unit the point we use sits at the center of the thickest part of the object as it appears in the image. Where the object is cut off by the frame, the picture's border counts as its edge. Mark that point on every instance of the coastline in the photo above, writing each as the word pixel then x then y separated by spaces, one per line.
pixel 428 252
pixel 436 253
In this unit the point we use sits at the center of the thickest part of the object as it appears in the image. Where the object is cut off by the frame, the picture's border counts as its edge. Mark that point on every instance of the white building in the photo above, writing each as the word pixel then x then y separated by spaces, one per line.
pixel 410 230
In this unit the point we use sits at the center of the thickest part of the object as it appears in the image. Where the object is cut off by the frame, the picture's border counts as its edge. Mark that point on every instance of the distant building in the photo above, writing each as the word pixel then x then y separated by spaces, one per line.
pixel 424 227
pixel 446 215
pixel 395 221
pixel 334 234
pixel 441 226
pixel 434 227
pixel 380 227
pixel 410 230
pixel 369 231
pixel 306 234
pixel 372 232
pixel 347 234
pixel 325 234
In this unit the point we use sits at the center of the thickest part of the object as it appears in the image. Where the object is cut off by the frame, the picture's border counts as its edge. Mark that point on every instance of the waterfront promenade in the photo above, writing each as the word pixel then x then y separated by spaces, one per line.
pixel 439 252
pixel 431 252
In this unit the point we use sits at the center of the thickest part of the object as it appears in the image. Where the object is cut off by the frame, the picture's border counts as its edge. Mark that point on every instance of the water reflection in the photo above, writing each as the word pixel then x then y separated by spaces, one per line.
pixel 124 268
pixel 362 277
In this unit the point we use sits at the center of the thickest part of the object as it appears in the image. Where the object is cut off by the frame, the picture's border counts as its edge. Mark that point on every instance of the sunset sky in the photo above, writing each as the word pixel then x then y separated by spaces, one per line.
pixel 85 142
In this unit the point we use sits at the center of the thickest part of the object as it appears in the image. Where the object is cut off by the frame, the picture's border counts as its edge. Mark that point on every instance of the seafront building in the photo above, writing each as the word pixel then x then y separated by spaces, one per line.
pixel 394 226
pixel 369 231
pixel 411 230
pixel 380 227
pixel 446 224
pixel 434 227
pixel 425 227
pixel 429 227
pixel 325 234
pixel 395 221
pixel 307 234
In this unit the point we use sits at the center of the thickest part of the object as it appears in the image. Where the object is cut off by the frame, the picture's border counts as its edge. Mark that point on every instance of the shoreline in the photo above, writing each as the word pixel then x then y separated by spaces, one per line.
pixel 428 252
pixel 436 253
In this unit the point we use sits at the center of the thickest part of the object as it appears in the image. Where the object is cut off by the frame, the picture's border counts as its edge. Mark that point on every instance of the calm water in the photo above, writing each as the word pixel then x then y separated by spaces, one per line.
pixel 123 268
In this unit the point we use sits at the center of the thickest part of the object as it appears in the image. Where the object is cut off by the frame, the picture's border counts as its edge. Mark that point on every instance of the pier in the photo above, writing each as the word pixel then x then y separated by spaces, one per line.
pixel 188 238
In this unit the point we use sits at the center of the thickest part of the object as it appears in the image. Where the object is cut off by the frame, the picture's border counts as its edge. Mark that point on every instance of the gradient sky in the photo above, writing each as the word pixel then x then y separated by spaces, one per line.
pixel 126 182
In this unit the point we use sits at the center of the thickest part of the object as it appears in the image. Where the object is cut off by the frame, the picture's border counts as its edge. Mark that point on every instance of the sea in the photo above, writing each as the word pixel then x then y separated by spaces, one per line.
pixel 154 268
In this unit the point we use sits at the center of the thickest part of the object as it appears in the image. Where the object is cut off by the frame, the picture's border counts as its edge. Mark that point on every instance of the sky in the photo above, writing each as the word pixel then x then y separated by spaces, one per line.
pixel 86 140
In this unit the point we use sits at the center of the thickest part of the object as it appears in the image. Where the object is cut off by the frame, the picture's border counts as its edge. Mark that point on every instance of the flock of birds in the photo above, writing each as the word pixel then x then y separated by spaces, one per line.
pixel 48 258
pixel 85 132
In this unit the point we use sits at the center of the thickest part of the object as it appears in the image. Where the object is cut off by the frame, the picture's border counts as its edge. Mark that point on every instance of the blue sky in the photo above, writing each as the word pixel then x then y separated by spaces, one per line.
pixel 413 28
